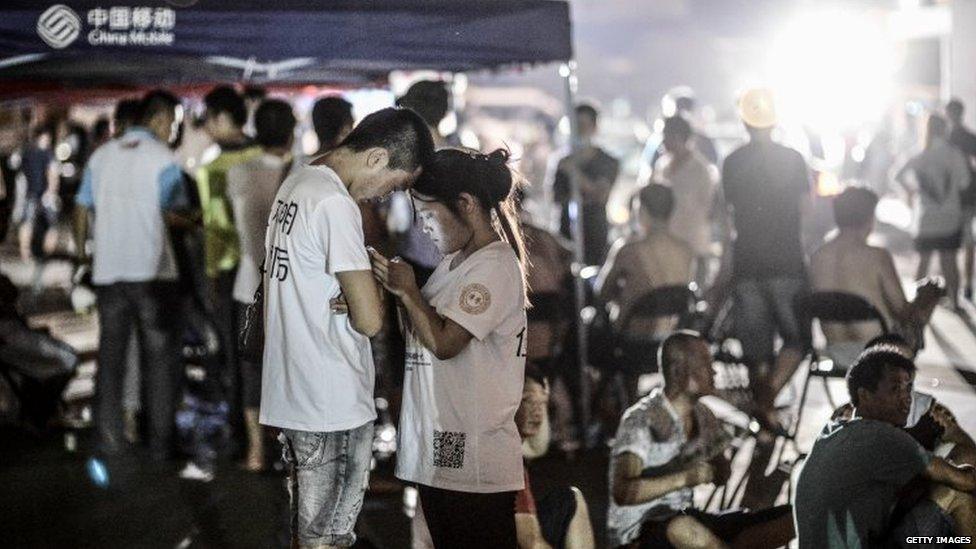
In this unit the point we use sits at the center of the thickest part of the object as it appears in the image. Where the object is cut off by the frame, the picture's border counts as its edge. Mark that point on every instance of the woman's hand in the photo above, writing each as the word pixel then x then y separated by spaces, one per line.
pixel 394 274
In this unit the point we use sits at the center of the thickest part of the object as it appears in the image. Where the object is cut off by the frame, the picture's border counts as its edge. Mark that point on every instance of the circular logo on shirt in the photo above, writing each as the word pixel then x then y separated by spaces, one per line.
pixel 475 299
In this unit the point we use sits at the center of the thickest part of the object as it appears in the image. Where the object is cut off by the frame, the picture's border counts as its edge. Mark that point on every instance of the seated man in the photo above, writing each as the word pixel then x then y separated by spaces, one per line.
pixel 929 422
pixel 651 259
pixel 847 263
pixel 668 443
pixel 851 480
pixel 560 519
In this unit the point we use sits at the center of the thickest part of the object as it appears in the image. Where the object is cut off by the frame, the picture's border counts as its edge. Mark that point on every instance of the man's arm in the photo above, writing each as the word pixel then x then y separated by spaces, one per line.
pixel 629 488
pixel 607 281
pixel 965 446
pixel 959 477
pixel 891 289
pixel 363 301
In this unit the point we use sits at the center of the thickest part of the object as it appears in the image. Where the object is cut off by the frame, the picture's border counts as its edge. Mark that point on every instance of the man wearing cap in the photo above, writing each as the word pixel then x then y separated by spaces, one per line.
pixel 765 186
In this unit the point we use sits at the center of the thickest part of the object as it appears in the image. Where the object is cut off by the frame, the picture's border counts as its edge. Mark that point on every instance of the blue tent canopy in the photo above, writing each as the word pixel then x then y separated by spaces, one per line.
pixel 77 43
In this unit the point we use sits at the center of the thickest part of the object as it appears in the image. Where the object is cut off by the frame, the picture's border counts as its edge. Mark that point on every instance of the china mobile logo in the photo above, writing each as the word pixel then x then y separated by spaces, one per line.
pixel 59 26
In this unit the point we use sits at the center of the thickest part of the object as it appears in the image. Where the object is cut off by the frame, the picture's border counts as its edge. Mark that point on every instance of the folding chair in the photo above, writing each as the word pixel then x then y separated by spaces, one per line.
pixel 640 353
pixel 831 307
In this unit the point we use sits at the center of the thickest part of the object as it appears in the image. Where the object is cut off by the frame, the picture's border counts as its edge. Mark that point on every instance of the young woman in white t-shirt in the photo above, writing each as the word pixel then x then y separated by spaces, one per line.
pixel 465 357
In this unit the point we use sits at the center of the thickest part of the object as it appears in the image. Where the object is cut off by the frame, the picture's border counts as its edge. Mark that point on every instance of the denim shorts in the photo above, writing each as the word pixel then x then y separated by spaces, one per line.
pixel 329 476
pixel 764 308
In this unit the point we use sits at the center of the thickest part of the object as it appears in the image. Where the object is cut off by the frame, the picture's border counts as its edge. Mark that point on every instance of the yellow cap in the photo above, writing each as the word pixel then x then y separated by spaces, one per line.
pixel 757 108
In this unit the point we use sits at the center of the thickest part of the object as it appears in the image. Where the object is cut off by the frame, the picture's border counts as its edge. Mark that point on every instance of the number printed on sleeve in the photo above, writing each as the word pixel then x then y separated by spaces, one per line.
pixel 521 350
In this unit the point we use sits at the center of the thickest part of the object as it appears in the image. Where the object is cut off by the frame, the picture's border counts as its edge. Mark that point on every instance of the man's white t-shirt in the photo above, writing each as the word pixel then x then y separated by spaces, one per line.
pixel 252 186
pixel 457 425
pixel 318 371
pixel 128 182
pixel 694 182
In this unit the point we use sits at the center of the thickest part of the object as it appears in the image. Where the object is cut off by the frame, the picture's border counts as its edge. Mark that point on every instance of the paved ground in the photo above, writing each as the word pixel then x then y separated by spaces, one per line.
pixel 49 500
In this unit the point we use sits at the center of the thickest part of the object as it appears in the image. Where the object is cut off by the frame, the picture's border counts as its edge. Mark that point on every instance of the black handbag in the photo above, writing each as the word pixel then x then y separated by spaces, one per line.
pixel 250 338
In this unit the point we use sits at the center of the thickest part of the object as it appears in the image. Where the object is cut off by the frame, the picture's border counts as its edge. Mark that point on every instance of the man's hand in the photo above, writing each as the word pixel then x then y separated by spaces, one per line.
pixel 943 416
pixel 338 305
pixel 395 275
pixel 701 472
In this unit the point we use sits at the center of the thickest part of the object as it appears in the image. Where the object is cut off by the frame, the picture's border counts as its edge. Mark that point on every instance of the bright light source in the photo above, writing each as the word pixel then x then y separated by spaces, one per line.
pixel 832 70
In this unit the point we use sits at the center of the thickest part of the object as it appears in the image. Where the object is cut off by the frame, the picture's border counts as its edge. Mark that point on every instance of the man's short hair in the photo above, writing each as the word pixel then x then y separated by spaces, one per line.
pixel 155 102
pixel 401 132
pixel 429 99
pixel 870 367
pixel 657 200
pixel 226 99
pixel 854 207
pixel 587 109
pixel 679 127
pixel 673 356
pixel 274 123
pixel 126 112
pixel 329 116
pixel 887 339
pixel 954 108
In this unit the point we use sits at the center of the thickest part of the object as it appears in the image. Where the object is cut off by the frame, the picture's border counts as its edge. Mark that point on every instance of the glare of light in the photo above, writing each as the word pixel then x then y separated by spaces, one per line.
pixel 63 151
pixel 68 170
pixel 619 214
pixel 563 126
pixel 310 143
pixel 470 139
pixel 857 153
pixel 828 184
pixel 448 125
pixel 668 106
pixel 894 212
pixel 832 69
pixel 97 472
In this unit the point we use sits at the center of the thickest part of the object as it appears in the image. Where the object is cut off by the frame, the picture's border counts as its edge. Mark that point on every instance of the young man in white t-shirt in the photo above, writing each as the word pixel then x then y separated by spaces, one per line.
pixel 317 383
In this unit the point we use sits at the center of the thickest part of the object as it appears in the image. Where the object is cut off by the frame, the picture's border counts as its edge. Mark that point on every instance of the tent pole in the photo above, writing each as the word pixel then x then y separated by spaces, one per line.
pixel 568 72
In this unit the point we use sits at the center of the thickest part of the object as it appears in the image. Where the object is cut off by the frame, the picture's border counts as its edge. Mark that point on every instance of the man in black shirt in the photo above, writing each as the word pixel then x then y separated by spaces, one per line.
pixel 765 185
pixel 961 138
pixel 596 171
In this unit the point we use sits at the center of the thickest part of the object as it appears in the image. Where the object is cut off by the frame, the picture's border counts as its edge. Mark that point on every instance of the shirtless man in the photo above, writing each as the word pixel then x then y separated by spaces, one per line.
pixel 652 259
pixel 847 263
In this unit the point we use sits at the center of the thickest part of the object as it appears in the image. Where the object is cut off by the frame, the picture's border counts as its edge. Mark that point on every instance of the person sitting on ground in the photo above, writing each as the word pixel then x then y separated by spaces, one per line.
pixel 668 443
pixel 560 519
pixel 841 264
pixel 929 422
pixel 852 477
pixel 652 259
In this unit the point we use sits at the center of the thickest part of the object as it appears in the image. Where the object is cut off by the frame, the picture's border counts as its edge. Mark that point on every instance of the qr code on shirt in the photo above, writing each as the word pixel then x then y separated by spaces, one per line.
pixel 448 449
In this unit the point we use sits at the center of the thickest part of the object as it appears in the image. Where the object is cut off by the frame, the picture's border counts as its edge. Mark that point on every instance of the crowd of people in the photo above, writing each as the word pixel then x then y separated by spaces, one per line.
pixel 458 316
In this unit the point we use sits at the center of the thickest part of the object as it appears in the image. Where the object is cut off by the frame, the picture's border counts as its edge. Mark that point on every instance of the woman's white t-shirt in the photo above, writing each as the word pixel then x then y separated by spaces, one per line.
pixel 457 425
